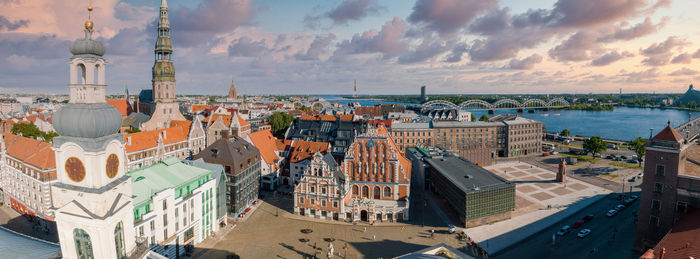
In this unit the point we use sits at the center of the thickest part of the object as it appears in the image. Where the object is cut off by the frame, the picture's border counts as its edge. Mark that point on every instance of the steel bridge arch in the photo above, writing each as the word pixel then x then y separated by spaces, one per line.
pixel 534 101
pixel 498 103
pixel 439 103
pixel 559 100
pixel 482 103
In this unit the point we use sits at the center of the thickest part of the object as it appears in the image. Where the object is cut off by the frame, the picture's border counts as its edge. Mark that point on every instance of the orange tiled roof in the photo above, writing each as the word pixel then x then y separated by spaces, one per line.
pixel 122 105
pixel 199 107
pixel 212 118
pixel 283 144
pixel 31 151
pixel 266 143
pixel 302 149
pixel 345 117
pixel 186 125
pixel 149 139
pixel 242 122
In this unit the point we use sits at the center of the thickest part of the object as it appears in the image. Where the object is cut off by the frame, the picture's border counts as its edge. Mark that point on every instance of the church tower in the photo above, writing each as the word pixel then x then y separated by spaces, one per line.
pixel 232 93
pixel 92 197
pixel 166 106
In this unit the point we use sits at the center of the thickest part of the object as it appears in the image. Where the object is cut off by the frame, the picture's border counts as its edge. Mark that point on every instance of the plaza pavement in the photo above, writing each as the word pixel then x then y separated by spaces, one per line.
pixel 540 203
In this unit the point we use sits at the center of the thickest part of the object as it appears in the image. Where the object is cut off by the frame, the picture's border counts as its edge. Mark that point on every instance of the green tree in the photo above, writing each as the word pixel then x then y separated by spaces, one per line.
pixel 692 105
pixel 473 117
pixel 565 133
pixel 130 131
pixel 279 122
pixel 305 108
pixel 594 145
pixel 639 147
pixel 26 130
pixel 484 118
pixel 48 137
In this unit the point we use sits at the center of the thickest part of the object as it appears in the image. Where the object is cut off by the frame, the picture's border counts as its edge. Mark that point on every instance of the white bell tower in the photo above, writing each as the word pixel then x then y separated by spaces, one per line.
pixel 92 198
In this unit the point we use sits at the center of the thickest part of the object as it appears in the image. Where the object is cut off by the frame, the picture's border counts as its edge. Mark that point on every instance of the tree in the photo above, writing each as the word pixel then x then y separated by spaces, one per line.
pixel 565 133
pixel 279 122
pixel 48 137
pixel 130 131
pixel 594 145
pixel 639 147
pixel 304 108
pixel 26 130
pixel 484 118
pixel 473 117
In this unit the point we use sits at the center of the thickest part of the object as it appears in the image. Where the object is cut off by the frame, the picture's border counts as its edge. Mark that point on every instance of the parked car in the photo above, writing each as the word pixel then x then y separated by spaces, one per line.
pixel 554 152
pixel 587 218
pixel 624 157
pixel 563 230
pixel 610 156
pixel 620 207
pixel 611 213
pixel 577 224
pixel 634 197
pixel 584 232
pixel 632 161
pixel 451 228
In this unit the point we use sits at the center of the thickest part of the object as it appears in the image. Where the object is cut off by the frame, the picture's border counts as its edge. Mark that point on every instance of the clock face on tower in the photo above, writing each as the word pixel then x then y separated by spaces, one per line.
pixel 112 166
pixel 75 169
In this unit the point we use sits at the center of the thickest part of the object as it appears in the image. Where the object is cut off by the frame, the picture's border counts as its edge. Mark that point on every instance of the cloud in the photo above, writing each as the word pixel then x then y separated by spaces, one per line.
pixel 659 54
pixel 191 27
pixel 637 31
pixel 683 58
pixel 644 76
pixel 684 72
pixel 493 22
pixel 246 47
pixel 526 63
pixel 425 51
pixel 317 47
pixel 697 54
pixel 575 48
pixel 610 57
pixel 352 10
pixel 11 26
pixel 457 53
pixel 448 16
pixel 388 41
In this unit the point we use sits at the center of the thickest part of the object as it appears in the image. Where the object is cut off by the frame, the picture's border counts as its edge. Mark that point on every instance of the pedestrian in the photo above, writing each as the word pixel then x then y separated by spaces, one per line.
pixel 365 230
pixel 374 237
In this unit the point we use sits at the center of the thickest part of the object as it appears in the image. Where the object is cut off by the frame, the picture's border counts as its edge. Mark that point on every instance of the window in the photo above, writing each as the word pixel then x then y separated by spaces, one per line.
pixel 377 193
pixel 658 187
pixel 681 207
pixel 323 190
pixel 365 191
pixel 335 204
pixel 313 188
pixel 656 205
pixel 301 200
pixel 119 240
pixel 312 201
pixel 355 190
pixel 83 245
pixel 654 221
pixel 323 203
pixel 660 170
pixel 387 192
pixel 165 220
pixel 165 204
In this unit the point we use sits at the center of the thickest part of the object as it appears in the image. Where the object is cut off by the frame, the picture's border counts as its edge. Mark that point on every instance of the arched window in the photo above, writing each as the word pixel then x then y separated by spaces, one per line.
pixel 83 246
pixel 365 191
pixel 119 240
pixel 355 190
pixel 83 74
pixel 387 192
pixel 377 192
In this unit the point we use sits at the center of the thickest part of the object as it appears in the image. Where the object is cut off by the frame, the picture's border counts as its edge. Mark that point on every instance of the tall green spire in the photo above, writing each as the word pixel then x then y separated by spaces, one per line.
pixel 163 69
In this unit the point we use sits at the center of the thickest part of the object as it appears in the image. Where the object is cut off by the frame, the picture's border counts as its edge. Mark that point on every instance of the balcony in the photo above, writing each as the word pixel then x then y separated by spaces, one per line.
pixel 140 250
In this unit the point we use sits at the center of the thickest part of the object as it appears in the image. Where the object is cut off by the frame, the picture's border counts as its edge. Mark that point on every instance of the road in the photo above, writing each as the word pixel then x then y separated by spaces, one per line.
pixel 570 246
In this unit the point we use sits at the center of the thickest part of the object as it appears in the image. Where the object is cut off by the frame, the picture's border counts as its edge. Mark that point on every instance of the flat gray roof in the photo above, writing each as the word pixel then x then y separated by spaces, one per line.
pixel 456 169
pixel 465 124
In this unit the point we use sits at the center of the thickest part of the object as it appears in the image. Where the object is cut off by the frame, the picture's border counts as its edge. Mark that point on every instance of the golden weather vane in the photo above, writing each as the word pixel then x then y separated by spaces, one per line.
pixel 88 23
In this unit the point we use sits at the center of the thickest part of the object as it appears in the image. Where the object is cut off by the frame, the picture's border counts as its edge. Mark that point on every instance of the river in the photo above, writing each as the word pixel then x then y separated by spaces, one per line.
pixel 622 123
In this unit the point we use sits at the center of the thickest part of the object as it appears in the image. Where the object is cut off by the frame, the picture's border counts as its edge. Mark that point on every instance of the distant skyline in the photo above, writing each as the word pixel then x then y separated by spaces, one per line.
pixel 390 47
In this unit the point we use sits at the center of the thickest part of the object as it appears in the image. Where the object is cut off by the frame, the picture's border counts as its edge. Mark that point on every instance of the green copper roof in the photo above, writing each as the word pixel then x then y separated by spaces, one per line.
pixel 169 173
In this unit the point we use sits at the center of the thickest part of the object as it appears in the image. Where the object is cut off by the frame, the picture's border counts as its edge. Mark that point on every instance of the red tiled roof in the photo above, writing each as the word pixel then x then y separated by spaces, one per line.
pixel 149 139
pixel 186 126
pixel 122 105
pixel 302 149
pixel 668 134
pixel 684 239
pixel 31 151
pixel 266 143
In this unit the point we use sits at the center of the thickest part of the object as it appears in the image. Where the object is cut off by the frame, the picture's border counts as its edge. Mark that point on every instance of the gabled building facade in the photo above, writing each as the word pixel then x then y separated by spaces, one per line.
pixel 322 191
pixel 182 140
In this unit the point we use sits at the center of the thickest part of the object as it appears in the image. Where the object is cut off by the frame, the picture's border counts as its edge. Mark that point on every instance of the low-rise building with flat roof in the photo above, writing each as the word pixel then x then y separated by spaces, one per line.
pixel 478 196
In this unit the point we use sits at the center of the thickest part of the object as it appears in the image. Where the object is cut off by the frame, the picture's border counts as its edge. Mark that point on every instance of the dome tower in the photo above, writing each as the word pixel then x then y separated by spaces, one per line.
pixel 92 196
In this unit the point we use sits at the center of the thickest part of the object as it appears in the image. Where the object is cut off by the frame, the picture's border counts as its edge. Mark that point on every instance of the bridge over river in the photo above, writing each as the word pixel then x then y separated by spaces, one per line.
pixel 501 104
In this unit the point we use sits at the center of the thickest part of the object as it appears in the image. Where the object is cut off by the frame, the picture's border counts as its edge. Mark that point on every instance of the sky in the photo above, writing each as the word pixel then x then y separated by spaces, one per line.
pixel 389 47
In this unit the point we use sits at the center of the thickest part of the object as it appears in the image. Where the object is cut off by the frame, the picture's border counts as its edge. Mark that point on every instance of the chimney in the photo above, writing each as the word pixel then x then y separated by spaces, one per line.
pixel 165 135
pixel 128 140
pixel 224 134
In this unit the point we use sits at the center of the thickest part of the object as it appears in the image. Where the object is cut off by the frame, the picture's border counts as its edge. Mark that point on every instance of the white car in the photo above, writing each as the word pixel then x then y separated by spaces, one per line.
pixel 451 228
pixel 583 233
pixel 611 213
pixel 563 230
pixel 619 207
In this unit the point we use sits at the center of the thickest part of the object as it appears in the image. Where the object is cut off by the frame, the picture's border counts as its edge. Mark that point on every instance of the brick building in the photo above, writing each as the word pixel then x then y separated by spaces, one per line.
pixel 379 178
pixel 670 187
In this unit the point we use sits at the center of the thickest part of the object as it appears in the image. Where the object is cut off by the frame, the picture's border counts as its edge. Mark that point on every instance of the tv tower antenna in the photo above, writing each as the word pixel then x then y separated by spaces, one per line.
pixel 354 92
